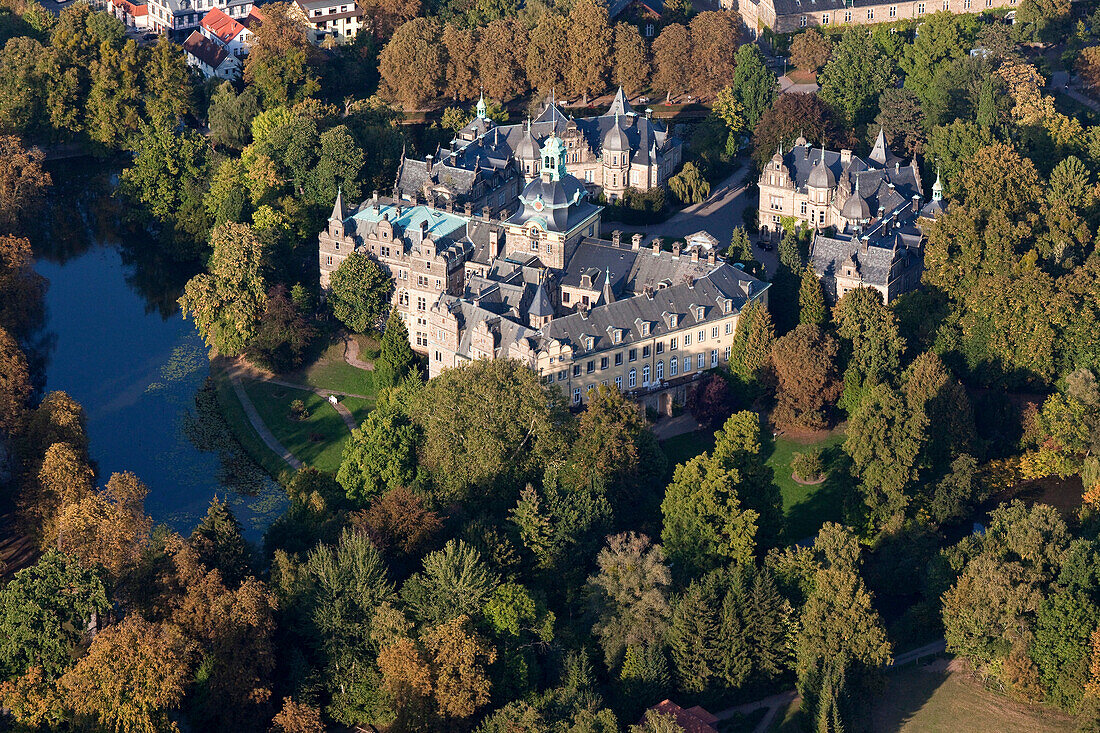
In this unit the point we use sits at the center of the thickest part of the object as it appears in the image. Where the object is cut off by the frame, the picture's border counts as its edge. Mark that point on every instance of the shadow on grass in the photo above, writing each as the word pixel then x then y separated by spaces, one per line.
pixel 826 502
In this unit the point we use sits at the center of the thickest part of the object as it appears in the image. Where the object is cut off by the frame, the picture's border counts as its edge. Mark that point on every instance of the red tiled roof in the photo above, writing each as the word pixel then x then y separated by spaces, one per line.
pixel 132 8
pixel 140 10
pixel 692 720
pixel 221 25
pixel 254 17
pixel 204 50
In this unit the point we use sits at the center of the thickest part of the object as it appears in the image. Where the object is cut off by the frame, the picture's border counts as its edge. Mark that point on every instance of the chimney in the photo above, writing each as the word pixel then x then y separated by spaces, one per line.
pixel 694 254
pixel 487 212
pixel 374 200
pixel 691 283
pixel 469 209
pixel 428 162
pixel 636 241
pixel 897 166
pixel 675 249
pixel 712 257
pixel 494 242
pixel 845 157
pixel 656 246
pixel 616 237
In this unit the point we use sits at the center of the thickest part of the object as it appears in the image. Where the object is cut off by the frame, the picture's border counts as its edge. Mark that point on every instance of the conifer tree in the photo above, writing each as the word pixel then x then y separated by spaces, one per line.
pixel 735 652
pixel 740 247
pixel 752 341
pixel 219 541
pixel 811 301
pixel 692 638
pixel 765 625
pixel 790 252
pixel 395 357
pixel 644 674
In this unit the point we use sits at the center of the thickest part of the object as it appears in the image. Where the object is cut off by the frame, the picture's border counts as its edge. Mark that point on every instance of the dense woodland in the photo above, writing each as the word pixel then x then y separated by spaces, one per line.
pixel 520 567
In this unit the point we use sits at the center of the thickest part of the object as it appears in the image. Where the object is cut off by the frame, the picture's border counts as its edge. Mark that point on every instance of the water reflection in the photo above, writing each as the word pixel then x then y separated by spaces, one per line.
pixel 117 343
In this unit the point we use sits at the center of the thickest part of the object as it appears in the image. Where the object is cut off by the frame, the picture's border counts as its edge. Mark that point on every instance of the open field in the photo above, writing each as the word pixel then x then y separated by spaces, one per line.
pixel 331 372
pixel 318 440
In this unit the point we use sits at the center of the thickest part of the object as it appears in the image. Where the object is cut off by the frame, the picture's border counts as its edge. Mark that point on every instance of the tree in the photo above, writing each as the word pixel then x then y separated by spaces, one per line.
pixel 459 658
pixel 380 456
pixel 790 252
pixel 951 146
pixel 384 16
pixel 399 523
pixel 752 341
pixel 44 610
pixel 23 183
pixel 64 478
pixel 606 451
pixel 15 385
pixel 228 301
pixel 166 82
pixel 628 596
pixel 932 390
pixel 941 40
pixel 132 676
pixel 230 116
pixel 1042 20
pixel 631 68
pixel 901 119
pixel 715 35
pixel 740 247
pixel 280 59
pixel 359 293
pixel 810 50
pixel 590 39
pixel 1088 66
pixel 283 334
pixel 395 356
pixel 455 582
pixel 792 115
pixel 871 328
pixel 219 544
pixel 516 430
pixel 297 717
pixel 753 83
pixel 811 299
pixel 411 64
pixel 114 100
pixel 462 59
pixel 805 365
pixel 884 440
pixel 547 57
pixel 705 526
pixel 855 77
pixel 689 185
pixel 337 168
pixel 737 449
pixel 502 56
pixel 108 529
pixel 22 89
pixel 671 56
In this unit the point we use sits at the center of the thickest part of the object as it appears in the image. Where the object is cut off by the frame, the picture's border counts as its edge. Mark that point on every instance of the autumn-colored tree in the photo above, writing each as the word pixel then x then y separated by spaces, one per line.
pixel 461 72
pixel 671 57
pixel 792 115
pixel 133 677
pixel 631 68
pixel 589 38
pixel 384 16
pixel 399 522
pixel 407 679
pixel 23 183
pixel 64 478
pixel 547 57
pixel 459 659
pixel 752 341
pixel 281 58
pixel 57 419
pixel 502 57
pixel 1088 66
pixel 810 50
pixel 15 385
pixel 715 36
pixel 227 302
pixel 808 382
pixel 412 63
pixel 109 528
pixel 297 717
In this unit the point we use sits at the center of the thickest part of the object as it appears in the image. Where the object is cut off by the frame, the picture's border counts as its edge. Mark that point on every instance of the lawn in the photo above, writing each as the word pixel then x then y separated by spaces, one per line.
pixel 358 406
pixel 806 507
pixel 318 440
pixel 331 372
pixel 237 421
pixel 930 699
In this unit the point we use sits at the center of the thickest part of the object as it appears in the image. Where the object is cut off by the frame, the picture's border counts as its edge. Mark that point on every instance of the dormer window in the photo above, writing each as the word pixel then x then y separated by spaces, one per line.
pixel 700 312
pixel 589 342
pixel 618 336
pixel 672 321
pixel 645 328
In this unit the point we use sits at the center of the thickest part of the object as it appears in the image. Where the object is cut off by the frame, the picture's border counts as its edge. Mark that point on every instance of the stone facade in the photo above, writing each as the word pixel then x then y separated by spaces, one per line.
pixel 790 16
pixel 540 287
pixel 339 20
pixel 487 164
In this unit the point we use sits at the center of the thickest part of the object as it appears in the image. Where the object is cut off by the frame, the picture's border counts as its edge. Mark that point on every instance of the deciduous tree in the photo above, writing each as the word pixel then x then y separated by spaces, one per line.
pixel 810 50
pixel 380 456
pixel 805 365
pixel 15 385
pixel 23 183
pixel 671 56
pixel 502 57
pixel 280 59
pixel 359 293
pixel 412 63
pixel 590 39
pixel 462 61
pixel 631 68
pixel 108 529
pixel 753 82
pixel 547 57
pixel 715 35
pixel 792 115
pixel 855 77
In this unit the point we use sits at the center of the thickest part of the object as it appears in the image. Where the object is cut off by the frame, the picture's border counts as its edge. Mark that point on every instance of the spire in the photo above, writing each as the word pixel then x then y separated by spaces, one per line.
pixel 620 105
pixel 481 107
pixel 880 153
pixel 937 187
pixel 338 207
pixel 608 295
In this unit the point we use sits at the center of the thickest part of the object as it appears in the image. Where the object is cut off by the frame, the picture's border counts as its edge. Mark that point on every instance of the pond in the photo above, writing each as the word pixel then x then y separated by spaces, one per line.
pixel 116 342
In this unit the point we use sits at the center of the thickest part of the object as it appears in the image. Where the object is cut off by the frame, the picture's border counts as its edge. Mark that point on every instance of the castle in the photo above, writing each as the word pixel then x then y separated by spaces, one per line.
pixel 865 214
pixel 540 286
pixel 488 165
pixel 790 16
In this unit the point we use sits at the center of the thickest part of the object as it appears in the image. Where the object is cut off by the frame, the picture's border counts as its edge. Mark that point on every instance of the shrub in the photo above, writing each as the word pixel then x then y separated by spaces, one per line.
pixel 298 410
pixel 808 466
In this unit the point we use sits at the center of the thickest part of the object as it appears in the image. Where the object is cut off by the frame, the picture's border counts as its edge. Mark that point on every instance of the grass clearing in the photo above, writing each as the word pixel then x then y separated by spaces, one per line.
pixel 237 421
pixel 807 507
pixel 359 407
pixel 318 440
pixel 331 372
pixel 932 699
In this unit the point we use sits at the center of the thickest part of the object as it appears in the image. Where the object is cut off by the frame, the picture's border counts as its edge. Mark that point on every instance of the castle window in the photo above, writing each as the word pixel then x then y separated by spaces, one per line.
pixel 576 370
pixel 673 343
pixel 660 370
pixel 564 297
pixel 337 244
pixel 645 375
pixel 632 355
pixel 893 11
pixel 618 336
pixel 328 260
pixel 700 313
pixel 824 19
pixel 726 353
pixel 702 336
pixel 618 358
pixel 714 357
pixel 672 364
pixel 803 208
pixel 562 375
pixel 702 361
pixel 619 382
pixel 714 332
pixel 870 14
pixel 576 395
pixel 660 347
pixel 588 341
pixel 603 363
pixel 672 321
pixel 632 378
pixel 802 22
pixel 649 30
pixel 687 339
pixel 847 16
pixel 687 364
pixel 590 366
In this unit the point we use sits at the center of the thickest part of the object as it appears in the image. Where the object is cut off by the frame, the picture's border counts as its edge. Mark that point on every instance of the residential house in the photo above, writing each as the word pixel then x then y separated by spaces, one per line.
pixel 695 719
pixel 339 20
pixel 230 33
pixel 178 18
pixel 131 14
pixel 210 58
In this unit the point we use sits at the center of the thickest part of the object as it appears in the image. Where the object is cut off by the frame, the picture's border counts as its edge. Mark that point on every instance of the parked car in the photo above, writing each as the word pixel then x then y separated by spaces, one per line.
pixel 149 37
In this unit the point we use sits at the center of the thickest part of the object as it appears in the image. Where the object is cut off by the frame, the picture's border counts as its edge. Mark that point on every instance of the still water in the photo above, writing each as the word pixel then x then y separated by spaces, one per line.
pixel 116 342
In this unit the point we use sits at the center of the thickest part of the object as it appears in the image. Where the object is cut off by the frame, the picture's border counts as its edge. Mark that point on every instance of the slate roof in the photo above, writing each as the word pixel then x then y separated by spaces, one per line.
pixel 711 291
pixel 565 204
pixel 631 270
pixel 873 253
pixel 443 232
